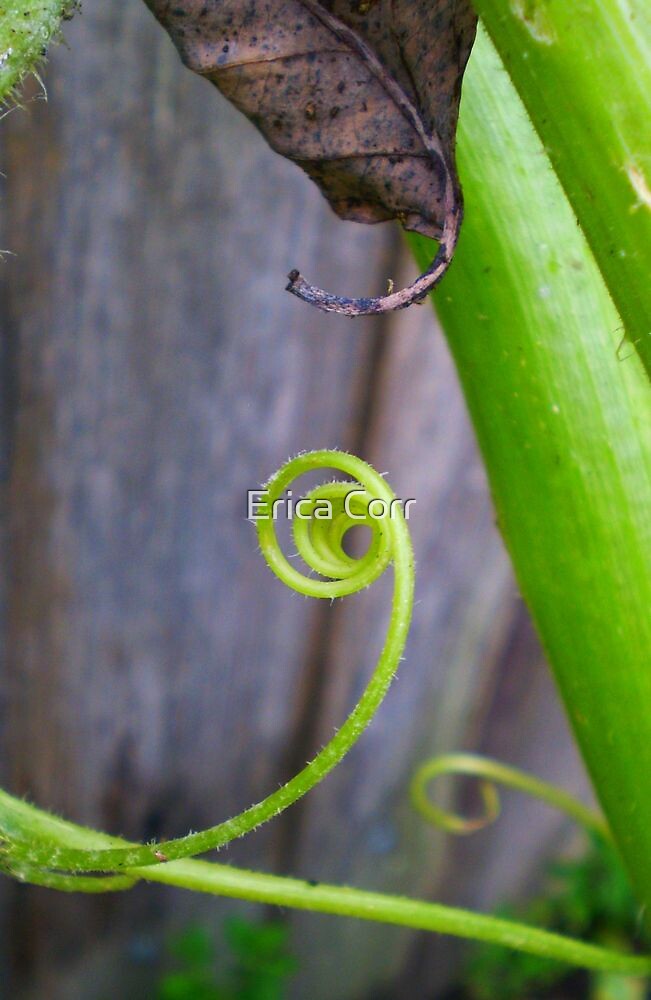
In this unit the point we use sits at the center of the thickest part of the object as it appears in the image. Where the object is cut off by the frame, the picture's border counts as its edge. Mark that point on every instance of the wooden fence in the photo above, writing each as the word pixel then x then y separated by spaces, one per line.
pixel 154 676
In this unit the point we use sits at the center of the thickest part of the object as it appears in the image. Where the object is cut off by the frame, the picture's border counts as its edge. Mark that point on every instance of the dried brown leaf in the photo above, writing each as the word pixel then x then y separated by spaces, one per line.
pixel 363 96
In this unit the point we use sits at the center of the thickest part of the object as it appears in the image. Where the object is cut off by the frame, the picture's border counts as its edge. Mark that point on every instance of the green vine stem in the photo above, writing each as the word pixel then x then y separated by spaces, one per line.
pixel 25 821
pixel 42 849
pixel 492 772
pixel 26 29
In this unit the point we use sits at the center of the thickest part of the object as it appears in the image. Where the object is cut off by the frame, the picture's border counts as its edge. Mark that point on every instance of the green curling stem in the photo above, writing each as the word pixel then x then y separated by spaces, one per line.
pixel 319 543
pixel 494 772
pixel 48 851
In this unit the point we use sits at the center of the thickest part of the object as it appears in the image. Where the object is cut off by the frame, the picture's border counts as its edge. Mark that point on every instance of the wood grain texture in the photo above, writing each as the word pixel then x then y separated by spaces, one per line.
pixel 159 372
pixel 5 423
pixel 155 677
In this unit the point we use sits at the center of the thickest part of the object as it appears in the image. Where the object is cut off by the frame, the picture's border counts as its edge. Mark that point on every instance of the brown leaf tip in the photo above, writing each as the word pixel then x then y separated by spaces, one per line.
pixel 362 94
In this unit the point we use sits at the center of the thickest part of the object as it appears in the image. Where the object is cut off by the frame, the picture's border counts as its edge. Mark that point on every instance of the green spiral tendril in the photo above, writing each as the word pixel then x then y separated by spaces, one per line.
pixel 38 847
pixel 493 772
pixel 319 542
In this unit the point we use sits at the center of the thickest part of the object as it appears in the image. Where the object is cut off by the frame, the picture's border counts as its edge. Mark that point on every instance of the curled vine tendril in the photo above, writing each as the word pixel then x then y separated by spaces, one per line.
pixel 492 772
pixel 319 542
pixel 40 848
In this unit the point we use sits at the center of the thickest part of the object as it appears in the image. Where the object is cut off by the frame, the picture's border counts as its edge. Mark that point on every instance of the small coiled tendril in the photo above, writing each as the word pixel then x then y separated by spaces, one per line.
pixel 38 847
pixel 490 773
pixel 319 542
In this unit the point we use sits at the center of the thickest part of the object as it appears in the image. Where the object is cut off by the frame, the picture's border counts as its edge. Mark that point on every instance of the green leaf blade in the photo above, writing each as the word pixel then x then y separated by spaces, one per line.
pixel 565 428
pixel 583 72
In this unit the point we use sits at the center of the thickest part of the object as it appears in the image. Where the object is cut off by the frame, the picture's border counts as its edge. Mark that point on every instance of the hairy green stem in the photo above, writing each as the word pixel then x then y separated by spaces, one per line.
pixel 26 29
pixel 583 71
pixel 321 549
pixel 235 883
pixel 419 914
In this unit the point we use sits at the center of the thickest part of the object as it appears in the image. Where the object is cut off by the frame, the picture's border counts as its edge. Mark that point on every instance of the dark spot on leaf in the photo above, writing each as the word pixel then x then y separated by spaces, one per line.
pixel 393 79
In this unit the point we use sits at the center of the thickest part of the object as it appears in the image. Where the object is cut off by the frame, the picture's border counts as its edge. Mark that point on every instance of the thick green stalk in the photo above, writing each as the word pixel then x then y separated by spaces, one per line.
pixel 565 428
pixel 583 71
pixel 26 29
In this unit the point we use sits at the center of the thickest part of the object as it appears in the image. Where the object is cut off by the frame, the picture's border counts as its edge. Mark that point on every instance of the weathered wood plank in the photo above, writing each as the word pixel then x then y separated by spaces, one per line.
pixel 159 371
pixel 5 414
